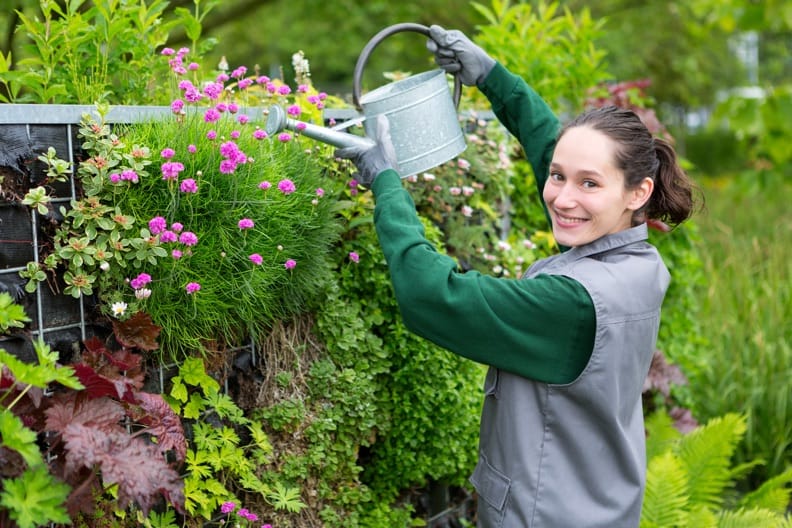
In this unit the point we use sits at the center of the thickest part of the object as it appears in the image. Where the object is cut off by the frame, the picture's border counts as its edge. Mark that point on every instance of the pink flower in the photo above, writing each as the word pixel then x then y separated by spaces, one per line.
pixel 245 223
pixel 192 287
pixel 319 192
pixel 157 225
pixel 227 507
pixel 290 264
pixel 294 110
pixel 286 186
pixel 211 135
pixel 284 90
pixel 242 119
pixel 244 83
pixel 235 134
pixel 176 254
pixel 237 73
pixel 256 259
pixel 467 210
pixel 213 91
pixel 259 134
pixel 167 153
pixel 227 166
pixel 176 106
pixel 188 185
pixel 264 185
pixel 229 149
pixel 129 175
pixel 192 149
pixel 177 227
pixel 354 257
pixel 300 125
pixel 233 108
pixel 171 170
pixel 115 178
pixel 188 238
pixel 168 236
pixel 168 51
pixel 140 281
pixel 211 115
pixel 284 137
pixel 192 66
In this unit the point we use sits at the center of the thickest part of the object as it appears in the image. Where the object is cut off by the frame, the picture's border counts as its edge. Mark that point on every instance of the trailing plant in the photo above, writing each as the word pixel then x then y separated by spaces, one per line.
pixel 98 427
pixel 227 451
pixel 691 482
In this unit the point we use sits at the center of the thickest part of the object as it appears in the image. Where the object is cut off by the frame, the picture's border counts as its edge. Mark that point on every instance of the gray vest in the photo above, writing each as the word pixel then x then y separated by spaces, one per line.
pixel 573 456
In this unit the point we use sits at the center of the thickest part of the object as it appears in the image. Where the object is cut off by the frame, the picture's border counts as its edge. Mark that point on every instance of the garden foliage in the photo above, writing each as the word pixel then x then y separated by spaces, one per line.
pixel 253 263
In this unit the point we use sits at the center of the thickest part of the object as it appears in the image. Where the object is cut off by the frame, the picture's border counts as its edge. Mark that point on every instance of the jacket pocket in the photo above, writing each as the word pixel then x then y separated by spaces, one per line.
pixel 493 490
pixel 491 382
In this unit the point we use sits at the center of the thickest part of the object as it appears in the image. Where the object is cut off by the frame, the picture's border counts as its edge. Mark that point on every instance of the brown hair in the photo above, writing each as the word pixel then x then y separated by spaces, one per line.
pixel 638 155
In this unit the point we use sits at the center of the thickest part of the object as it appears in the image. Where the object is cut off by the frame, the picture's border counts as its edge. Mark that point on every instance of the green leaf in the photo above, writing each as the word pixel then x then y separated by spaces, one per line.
pixel 11 314
pixel 36 498
pixel 14 435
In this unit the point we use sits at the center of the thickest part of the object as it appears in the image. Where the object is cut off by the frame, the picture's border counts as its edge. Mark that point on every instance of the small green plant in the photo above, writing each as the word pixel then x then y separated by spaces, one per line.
pixel 228 450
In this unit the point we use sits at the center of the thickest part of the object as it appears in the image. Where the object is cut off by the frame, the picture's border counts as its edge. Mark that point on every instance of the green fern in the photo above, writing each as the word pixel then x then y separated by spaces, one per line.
pixel 666 496
pixel 690 477
pixel 707 453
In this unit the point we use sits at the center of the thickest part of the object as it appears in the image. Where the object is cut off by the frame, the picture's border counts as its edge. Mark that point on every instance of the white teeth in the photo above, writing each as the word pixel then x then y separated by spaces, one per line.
pixel 569 219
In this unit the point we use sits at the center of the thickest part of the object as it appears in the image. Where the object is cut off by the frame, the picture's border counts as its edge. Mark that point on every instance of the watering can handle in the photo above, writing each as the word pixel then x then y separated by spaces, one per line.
pixel 375 40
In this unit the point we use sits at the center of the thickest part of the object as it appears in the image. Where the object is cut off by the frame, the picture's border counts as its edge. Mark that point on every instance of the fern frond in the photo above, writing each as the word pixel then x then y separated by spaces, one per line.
pixel 706 453
pixel 753 518
pixel 702 517
pixel 666 495
pixel 773 495
pixel 660 434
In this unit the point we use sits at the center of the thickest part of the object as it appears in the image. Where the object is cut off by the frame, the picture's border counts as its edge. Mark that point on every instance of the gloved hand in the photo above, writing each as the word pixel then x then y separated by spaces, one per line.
pixel 456 53
pixel 371 161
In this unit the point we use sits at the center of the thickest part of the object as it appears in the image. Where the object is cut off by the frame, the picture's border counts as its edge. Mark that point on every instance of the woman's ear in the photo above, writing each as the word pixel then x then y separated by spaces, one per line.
pixel 640 194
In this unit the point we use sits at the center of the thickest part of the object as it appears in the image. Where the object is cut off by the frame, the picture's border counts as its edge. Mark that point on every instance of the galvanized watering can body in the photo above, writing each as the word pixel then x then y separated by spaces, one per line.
pixel 423 120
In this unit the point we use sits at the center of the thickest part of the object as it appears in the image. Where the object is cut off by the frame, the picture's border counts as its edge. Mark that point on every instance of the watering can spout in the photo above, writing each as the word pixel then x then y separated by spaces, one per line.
pixel 277 121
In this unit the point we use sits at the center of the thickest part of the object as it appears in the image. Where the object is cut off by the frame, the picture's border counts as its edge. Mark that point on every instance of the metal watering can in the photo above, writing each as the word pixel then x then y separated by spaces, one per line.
pixel 423 119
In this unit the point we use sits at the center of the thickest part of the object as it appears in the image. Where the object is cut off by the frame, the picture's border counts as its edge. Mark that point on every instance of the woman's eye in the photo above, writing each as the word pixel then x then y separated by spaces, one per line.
pixel 589 184
pixel 556 177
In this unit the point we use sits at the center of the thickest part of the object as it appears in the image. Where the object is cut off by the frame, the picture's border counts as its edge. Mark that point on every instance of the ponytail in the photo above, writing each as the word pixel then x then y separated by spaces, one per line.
pixel 672 199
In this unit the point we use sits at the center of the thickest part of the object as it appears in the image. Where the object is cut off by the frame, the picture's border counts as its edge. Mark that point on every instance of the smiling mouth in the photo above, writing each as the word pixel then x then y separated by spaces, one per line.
pixel 569 220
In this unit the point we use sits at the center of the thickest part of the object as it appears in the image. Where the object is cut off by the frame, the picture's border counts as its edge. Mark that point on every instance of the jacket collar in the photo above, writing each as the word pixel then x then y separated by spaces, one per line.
pixel 609 242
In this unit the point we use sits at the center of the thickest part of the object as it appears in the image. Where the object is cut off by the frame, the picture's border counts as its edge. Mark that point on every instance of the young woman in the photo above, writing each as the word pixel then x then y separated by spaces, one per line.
pixel 570 343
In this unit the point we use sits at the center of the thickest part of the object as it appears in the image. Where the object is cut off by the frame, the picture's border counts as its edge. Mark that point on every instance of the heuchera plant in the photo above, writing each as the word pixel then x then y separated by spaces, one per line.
pixel 97 426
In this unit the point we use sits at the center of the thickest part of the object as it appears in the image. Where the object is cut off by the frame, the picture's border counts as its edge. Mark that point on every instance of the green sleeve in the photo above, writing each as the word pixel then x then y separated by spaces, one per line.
pixel 541 328
pixel 527 117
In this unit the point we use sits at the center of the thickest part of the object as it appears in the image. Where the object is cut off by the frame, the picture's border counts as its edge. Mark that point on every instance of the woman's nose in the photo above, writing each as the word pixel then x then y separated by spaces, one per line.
pixel 566 196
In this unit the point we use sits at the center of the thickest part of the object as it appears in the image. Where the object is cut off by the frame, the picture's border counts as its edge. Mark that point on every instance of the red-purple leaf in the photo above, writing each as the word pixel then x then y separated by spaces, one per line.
pixel 139 470
pixel 139 331
pixel 162 423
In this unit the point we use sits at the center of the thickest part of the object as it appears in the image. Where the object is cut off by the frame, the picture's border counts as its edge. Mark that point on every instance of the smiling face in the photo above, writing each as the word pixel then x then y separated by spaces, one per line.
pixel 585 192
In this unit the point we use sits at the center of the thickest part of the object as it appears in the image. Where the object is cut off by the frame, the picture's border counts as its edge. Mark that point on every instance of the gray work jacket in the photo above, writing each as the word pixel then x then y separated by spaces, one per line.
pixel 573 455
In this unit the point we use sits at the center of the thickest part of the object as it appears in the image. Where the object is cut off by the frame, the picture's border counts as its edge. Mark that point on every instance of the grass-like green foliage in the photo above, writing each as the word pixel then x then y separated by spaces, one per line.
pixel 238 298
pixel 746 303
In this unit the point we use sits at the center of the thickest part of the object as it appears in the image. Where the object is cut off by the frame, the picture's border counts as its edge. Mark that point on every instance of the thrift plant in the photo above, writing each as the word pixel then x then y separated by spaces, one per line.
pixel 200 220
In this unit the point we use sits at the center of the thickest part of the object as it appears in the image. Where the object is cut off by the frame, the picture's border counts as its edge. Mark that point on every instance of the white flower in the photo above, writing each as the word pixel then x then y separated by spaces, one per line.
pixel 467 210
pixel 503 245
pixel 104 266
pixel 118 308
pixel 428 176
pixel 142 293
